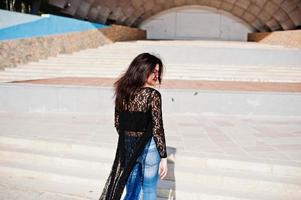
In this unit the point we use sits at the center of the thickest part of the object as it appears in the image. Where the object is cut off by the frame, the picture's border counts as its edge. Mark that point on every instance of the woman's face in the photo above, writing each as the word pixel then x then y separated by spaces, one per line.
pixel 153 77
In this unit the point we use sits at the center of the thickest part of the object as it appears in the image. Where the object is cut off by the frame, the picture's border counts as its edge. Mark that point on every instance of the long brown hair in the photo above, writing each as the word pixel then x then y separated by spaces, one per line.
pixel 135 77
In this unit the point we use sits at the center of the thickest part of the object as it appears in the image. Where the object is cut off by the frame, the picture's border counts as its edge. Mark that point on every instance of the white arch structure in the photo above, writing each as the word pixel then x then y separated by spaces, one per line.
pixel 196 22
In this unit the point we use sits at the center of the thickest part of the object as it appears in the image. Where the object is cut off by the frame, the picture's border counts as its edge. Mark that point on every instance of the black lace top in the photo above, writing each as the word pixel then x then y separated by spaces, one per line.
pixel 145 99
pixel 136 122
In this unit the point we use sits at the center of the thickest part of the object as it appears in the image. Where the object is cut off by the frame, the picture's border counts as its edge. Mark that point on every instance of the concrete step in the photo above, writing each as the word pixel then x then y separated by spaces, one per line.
pixel 79 99
pixel 199 43
pixel 80 153
pixel 198 191
pixel 68 175
pixel 78 60
pixel 20 78
pixel 113 65
pixel 20 163
pixel 205 56
pixel 6 79
pixel 188 76
pixel 62 163
pixel 30 192
pixel 213 54
pixel 195 60
pixel 20 188
pixel 203 43
pixel 169 67
pixel 248 79
pixel 133 49
pixel 114 55
pixel 186 69
pixel 70 170
pixel 31 182
pixel 54 171
pixel 172 75
pixel 59 161
pixel 27 187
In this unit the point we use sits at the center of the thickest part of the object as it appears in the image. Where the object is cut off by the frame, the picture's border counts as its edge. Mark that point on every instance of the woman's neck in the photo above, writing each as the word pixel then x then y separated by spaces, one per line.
pixel 147 85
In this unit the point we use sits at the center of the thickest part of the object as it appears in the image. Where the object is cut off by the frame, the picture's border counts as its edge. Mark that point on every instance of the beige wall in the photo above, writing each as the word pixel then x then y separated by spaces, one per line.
pixel 196 22
pixel 21 51
pixel 285 38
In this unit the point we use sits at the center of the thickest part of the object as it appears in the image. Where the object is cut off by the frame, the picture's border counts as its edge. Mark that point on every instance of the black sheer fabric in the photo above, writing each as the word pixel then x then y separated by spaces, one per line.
pixel 135 123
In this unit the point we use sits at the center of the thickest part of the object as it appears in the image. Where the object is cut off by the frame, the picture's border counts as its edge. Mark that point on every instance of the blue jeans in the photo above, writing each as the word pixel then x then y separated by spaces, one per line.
pixel 144 175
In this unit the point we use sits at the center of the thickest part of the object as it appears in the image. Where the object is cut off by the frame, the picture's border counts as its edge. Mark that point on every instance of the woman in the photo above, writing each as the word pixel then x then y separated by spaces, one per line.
pixel 141 151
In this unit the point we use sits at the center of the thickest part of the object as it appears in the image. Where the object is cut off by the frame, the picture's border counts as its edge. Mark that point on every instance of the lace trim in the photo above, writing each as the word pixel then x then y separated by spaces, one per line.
pixel 133 133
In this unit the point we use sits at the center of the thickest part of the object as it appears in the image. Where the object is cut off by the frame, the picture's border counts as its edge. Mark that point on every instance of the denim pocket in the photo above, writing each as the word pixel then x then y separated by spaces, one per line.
pixel 152 157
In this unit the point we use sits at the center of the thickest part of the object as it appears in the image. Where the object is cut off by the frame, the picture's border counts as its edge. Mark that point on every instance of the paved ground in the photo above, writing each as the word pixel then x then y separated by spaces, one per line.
pixel 244 137
pixel 178 84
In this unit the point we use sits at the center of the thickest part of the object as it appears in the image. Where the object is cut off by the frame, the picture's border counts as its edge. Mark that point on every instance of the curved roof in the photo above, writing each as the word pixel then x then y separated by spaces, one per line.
pixel 263 15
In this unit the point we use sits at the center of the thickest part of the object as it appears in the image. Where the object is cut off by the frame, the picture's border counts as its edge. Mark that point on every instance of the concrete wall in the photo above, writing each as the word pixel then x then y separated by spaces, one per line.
pixel 24 97
pixel 21 51
pixel 196 22
pixel 285 38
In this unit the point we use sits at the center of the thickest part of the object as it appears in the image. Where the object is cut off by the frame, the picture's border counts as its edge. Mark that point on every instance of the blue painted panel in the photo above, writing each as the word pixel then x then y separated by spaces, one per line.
pixel 47 25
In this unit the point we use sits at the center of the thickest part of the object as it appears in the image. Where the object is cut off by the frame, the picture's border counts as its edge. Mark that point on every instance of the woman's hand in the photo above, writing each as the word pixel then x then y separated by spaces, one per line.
pixel 163 168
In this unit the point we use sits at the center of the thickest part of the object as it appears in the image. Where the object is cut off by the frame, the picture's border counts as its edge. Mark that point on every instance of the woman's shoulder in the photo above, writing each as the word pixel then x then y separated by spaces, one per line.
pixel 152 90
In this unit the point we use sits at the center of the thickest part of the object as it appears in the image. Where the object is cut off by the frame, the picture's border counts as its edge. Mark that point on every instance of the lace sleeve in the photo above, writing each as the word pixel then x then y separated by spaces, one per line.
pixel 158 129
pixel 116 119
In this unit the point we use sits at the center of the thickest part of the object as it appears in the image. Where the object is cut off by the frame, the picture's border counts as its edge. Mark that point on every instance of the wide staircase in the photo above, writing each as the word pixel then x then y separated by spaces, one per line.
pixel 216 151
pixel 190 60
pixel 65 156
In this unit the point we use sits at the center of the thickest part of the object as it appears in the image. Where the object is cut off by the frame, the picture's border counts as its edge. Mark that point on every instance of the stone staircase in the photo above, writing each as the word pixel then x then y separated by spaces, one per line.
pixel 72 170
pixel 185 60
pixel 79 172
pixel 63 163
